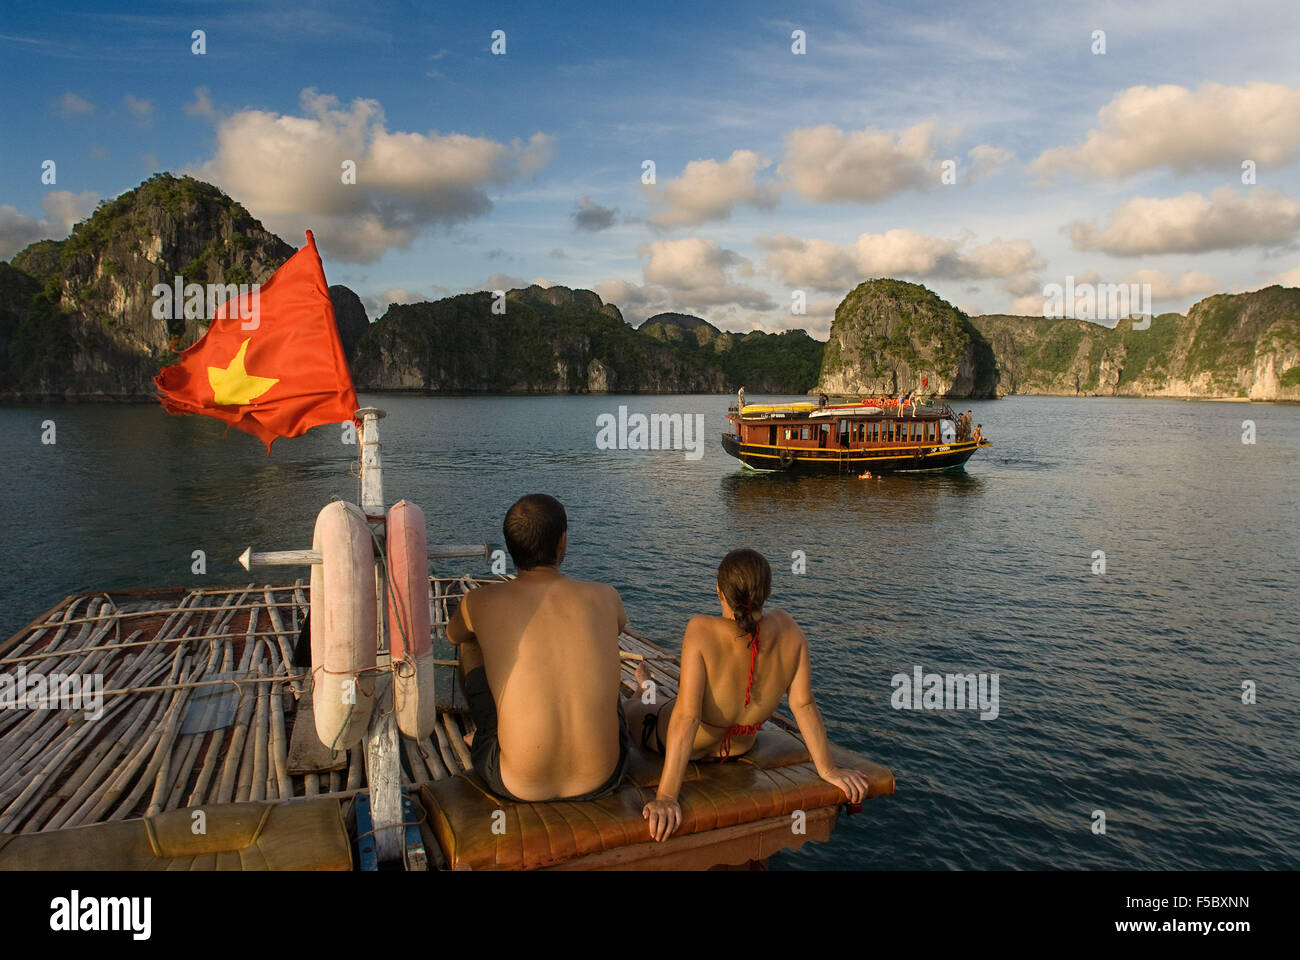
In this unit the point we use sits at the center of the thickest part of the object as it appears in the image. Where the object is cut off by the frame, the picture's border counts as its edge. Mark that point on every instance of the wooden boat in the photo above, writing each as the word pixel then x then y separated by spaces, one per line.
pixel 208 711
pixel 847 439
pixel 207 754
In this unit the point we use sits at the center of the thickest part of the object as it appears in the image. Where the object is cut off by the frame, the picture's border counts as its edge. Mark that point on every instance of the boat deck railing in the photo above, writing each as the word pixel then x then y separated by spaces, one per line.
pixel 943 411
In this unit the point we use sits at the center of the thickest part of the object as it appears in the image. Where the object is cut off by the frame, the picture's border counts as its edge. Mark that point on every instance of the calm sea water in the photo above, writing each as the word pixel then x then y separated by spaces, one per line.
pixel 1119 692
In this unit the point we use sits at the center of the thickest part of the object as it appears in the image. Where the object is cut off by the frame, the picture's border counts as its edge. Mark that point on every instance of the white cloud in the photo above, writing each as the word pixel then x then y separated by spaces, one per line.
pixel 986 158
pixel 826 266
pixel 1290 278
pixel 202 105
pixel 71 105
pixel 1030 305
pixel 501 281
pixel 1191 223
pixel 708 190
pixel 697 272
pixel 63 209
pixel 1165 286
pixel 1212 127
pixel 287 171
pixel 635 301
pixel 826 165
pixel 140 109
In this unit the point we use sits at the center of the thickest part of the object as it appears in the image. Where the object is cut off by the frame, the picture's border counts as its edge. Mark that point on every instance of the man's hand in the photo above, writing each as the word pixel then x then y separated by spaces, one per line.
pixel 854 784
pixel 665 816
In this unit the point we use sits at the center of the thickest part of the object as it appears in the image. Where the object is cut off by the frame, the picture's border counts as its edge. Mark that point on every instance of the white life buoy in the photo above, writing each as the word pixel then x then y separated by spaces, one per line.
pixel 409 636
pixel 343 625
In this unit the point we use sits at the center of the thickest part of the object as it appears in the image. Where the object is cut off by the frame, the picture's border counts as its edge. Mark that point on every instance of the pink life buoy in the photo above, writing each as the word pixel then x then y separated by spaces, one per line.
pixel 343 625
pixel 409 635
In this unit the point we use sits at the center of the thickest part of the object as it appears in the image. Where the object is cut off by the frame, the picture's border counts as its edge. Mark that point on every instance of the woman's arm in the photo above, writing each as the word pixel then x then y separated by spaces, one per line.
pixel 664 813
pixel 854 784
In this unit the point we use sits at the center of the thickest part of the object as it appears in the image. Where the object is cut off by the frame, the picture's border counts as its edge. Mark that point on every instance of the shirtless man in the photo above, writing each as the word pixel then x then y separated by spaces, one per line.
pixel 540 666
pixel 729 686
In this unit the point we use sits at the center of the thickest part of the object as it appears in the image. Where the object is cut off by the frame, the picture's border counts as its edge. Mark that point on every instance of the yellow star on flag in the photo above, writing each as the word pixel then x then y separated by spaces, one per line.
pixel 233 385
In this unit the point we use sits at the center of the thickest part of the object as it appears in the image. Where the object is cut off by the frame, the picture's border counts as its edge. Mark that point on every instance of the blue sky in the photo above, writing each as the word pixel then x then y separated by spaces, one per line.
pixel 775 172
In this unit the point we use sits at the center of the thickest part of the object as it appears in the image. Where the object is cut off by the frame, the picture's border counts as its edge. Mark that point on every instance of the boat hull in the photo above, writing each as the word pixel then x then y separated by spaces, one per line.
pixel 838 462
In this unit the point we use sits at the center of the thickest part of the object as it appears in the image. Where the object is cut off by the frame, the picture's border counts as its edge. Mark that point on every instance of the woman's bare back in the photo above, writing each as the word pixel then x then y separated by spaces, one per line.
pixel 725 655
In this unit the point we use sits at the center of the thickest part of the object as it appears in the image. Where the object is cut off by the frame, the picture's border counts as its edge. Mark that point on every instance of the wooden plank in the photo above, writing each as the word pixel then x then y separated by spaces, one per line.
pixel 306 753
pixel 700 851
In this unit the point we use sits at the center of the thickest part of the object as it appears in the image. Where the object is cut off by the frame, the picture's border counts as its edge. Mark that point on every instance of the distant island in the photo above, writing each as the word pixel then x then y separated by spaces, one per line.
pixel 77 322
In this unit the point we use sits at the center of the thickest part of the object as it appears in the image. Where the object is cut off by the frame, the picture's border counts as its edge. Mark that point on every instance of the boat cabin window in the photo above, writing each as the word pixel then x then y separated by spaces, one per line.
pixel 930 431
pixel 771 436
pixel 805 434
pixel 788 433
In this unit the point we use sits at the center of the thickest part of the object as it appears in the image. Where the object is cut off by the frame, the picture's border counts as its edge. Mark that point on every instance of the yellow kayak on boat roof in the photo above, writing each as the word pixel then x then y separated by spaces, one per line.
pixel 752 408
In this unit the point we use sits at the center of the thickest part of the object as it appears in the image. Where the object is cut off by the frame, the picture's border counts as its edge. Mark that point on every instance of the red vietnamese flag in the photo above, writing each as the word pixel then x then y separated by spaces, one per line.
pixel 276 374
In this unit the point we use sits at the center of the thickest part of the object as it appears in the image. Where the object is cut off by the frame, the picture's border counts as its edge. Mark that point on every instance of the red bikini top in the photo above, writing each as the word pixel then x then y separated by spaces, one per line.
pixel 741 729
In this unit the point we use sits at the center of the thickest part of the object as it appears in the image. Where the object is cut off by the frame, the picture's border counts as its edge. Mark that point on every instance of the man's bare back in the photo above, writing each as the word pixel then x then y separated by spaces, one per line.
pixel 550 649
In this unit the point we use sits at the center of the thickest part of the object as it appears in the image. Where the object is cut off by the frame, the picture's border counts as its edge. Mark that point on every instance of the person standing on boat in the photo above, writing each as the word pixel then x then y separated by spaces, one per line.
pixel 822 401
pixel 740 664
pixel 740 399
pixel 979 436
pixel 540 665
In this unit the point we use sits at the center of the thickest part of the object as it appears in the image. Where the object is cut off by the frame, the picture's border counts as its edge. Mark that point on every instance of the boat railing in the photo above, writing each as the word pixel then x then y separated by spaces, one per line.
pixel 887 405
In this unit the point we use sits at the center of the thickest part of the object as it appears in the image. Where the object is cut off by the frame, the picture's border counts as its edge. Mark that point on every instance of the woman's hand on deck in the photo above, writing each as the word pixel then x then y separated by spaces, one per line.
pixel 664 816
pixel 855 785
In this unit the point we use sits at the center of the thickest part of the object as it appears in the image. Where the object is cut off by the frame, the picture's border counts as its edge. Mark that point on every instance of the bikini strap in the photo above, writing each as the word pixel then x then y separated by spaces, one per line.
pixel 753 658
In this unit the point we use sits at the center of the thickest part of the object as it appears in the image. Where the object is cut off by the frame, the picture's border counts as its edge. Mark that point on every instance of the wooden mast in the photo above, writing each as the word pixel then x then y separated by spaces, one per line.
pixel 383 765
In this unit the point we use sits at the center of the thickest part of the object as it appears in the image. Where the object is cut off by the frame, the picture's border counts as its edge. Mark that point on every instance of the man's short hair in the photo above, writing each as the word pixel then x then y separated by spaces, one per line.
pixel 533 528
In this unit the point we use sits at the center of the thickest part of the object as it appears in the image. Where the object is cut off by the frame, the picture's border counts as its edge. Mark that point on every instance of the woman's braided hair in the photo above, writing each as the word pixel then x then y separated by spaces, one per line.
pixel 745 579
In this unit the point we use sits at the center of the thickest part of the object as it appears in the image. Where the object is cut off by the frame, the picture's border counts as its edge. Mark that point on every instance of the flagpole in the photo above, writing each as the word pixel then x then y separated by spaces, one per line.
pixel 383 767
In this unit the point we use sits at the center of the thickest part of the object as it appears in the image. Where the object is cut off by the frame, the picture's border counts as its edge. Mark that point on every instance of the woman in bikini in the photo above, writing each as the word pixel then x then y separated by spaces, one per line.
pixel 734 671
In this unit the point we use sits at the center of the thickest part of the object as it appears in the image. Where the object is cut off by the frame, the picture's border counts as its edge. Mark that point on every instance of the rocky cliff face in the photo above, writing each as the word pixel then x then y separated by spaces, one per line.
pixel 549 340
pixel 786 362
pixel 96 300
pixel 349 316
pixel 1228 346
pixel 887 335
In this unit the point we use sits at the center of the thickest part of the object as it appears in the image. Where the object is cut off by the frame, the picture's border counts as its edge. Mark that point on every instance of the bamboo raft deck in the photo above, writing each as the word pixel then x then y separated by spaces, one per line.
pixel 159 653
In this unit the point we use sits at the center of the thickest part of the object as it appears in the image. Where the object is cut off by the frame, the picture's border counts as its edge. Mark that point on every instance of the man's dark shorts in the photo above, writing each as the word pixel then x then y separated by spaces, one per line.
pixel 486 751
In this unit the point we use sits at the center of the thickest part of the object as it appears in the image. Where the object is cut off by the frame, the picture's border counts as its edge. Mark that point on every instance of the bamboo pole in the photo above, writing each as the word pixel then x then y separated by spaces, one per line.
pixel 450 757
pixel 159 768
pixel 432 759
pixel 215 738
pixel 457 741
pixel 227 785
pixel 134 614
pixel 135 758
pixel 279 747
pixel 56 757
pixel 187 748
pixel 82 801
pixel 286 649
pixel 252 781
